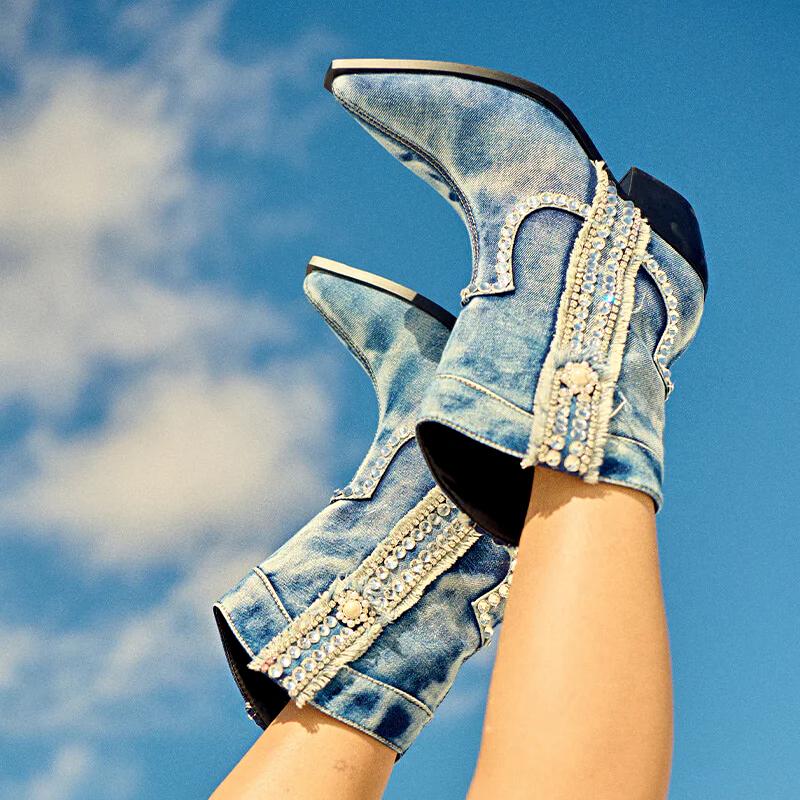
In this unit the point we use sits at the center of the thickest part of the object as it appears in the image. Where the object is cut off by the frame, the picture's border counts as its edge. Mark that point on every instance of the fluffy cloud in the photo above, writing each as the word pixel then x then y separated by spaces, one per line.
pixel 184 459
pixel 197 462
pixel 102 206
pixel 156 662
pixel 73 768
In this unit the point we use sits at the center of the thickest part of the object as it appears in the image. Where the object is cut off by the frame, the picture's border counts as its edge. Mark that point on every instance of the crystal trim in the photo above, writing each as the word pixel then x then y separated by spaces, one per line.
pixel 666 343
pixel 364 488
pixel 575 391
pixel 351 613
pixel 503 280
pixel 489 606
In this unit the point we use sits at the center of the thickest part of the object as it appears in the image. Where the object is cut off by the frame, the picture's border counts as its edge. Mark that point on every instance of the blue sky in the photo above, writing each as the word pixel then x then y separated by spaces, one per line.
pixel 171 409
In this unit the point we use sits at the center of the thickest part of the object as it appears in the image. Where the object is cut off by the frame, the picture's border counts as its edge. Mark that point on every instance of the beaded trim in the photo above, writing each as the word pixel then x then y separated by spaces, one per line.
pixel 667 340
pixel 344 621
pixel 364 488
pixel 488 607
pixel 503 280
pixel 575 391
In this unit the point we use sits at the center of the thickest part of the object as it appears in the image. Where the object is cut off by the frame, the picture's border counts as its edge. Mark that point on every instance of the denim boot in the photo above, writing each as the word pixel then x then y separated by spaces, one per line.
pixel 368 611
pixel 583 291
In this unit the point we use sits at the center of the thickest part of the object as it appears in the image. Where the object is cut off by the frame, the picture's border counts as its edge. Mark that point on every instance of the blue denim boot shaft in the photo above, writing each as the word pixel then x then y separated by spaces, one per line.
pixel 368 611
pixel 575 309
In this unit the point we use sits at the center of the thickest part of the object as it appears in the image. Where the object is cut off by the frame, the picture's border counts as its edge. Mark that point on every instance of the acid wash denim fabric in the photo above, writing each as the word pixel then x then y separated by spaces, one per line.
pixel 390 678
pixel 487 150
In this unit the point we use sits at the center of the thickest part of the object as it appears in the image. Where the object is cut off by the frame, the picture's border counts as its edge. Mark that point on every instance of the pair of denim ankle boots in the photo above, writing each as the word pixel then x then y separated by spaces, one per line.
pixel 583 292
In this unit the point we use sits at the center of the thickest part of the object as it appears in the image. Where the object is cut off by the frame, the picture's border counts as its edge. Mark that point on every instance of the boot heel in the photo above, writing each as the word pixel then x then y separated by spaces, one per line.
pixel 669 215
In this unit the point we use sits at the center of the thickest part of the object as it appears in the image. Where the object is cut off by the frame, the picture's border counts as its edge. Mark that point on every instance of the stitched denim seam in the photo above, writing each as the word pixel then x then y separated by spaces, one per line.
pixel 497 611
pixel 636 442
pixel 271 589
pixel 365 463
pixel 693 271
pixel 503 449
pixel 433 162
pixel 354 724
pixel 478 437
pixel 662 295
pixel 405 695
pixel 489 392
pixel 648 490
pixel 233 628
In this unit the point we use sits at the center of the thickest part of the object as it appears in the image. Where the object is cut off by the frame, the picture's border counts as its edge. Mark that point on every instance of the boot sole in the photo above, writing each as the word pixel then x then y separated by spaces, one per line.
pixel 318 263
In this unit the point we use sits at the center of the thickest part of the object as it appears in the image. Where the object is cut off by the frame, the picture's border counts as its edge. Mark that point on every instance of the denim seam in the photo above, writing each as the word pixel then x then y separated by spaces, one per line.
pixel 271 589
pixel 371 625
pixel 485 440
pixel 405 695
pixel 498 610
pixel 353 724
pixel 489 392
pixel 233 628
pixel 467 431
pixel 433 162
pixel 637 443
pixel 640 487
pixel 667 390
pixel 368 494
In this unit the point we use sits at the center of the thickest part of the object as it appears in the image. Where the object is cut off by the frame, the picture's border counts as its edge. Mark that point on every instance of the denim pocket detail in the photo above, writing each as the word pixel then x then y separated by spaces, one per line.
pixel 489 607
pixel 368 476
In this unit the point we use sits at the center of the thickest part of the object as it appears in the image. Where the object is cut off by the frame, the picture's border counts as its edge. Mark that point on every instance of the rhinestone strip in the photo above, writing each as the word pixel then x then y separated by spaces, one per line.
pixel 503 280
pixel 346 618
pixel 489 606
pixel 364 488
pixel 667 341
pixel 572 406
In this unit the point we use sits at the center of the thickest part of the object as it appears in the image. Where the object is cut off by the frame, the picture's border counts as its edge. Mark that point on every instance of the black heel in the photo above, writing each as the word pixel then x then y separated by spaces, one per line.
pixel 669 215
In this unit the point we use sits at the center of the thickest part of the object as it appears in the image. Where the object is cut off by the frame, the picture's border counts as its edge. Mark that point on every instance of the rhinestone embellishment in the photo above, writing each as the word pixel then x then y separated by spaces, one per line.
pixel 574 395
pixel 667 342
pixel 363 488
pixel 348 617
pixel 489 607
pixel 503 280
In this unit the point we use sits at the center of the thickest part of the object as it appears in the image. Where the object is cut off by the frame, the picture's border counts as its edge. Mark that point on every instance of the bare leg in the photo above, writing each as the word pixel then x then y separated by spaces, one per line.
pixel 580 704
pixel 306 755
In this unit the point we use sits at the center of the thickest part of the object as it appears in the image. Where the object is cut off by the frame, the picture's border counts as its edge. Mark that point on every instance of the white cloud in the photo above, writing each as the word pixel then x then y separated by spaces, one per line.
pixel 16 16
pixel 102 213
pixel 198 462
pixel 69 769
pixel 155 663
pixel 184 459
pixel 102 205
pixel 73 768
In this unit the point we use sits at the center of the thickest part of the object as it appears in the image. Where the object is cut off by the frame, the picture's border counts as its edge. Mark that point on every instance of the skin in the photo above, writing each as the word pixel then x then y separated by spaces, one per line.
pixel 580 704
pixel 306 755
